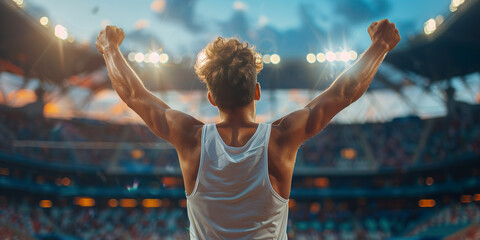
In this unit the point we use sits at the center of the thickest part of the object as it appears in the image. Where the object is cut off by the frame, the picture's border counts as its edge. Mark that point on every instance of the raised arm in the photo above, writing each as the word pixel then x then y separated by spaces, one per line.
pixel 174 126
pixel 300 125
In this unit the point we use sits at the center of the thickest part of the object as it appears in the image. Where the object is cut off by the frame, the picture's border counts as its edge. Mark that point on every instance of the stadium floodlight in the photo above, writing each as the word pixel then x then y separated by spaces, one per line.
pixel 353 55
pixel 311 58
pixel 131 56
pixel 44 21
pixel 266 59
pixel 275 58
pixel 61 32
pixel 154 57
pixel 330 56
pixel 455 4
pixel 344 56
pixel 139 57
pixel 321 57
pixel 430 26
pixel 19 3
pixel 163 58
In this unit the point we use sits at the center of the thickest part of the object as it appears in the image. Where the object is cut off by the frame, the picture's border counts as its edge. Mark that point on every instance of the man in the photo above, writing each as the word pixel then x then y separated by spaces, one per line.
pixel 237 173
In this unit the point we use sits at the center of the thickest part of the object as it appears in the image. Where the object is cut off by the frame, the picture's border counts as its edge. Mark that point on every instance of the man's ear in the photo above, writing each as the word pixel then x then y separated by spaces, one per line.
pixel 257 91
pixel 210 99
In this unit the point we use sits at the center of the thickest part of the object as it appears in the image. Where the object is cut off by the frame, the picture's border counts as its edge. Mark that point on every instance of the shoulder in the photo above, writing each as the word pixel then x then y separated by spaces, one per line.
pixel 190 139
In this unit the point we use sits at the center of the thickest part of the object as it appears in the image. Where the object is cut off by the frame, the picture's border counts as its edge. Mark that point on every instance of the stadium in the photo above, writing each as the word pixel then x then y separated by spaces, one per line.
pixel 402 162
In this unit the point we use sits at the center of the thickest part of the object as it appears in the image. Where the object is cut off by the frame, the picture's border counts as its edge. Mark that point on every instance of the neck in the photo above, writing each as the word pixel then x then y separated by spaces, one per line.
pixel 238 116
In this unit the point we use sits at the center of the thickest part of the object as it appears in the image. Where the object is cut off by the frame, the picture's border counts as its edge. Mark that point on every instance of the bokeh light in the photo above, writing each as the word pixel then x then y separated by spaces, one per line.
pixel 311 58
pixel 163 58
pixel 152 203
pixel 330 56
pixel 429 181
pixel 84 201
pixel 266 59
pixel 275 58
pixel 158 6
pixel 45 204
pixel 113 202
pixel 61 32
pixel 141 24
pixel 353 55
pixel 139 57
pixel 44 21
pixel 344 56
pixel 131 56
pixel 19 3
pixel 321 57
pixel 128 203
pixel 154 57
pixel 430 26
pixel 426 203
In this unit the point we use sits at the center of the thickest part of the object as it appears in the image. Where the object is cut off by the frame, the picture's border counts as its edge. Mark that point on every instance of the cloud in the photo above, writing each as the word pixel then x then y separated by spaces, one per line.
pixel 361 10
pixel 181 12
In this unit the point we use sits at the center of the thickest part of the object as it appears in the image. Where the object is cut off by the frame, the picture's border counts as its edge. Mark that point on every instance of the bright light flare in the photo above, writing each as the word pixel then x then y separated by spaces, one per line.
pixel 344 56
pixel 163 58
pixel 321 57
pixel 154 57
pixel 61 32
pixel 455 4
pixel 131 56
pixel 201 58
pixel 311 58
pixel 275 58
pixel 266 59
pixel 353 55
pixel 44 21
pixel 139 57
pixel 430 26
pixel 19 3
pixel 330 56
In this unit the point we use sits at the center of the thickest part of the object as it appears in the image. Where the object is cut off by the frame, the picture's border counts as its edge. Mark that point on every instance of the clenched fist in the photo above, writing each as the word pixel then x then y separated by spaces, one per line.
pixel 385 33
pixel 111 36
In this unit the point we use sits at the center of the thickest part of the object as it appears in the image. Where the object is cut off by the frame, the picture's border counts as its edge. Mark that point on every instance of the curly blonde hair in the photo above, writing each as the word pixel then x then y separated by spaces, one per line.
pixel 229 68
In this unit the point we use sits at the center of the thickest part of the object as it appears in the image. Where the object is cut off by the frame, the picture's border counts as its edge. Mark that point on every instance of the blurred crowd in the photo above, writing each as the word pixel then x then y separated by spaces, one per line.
pixel 456 215
pixel 401 142
pixel 307 220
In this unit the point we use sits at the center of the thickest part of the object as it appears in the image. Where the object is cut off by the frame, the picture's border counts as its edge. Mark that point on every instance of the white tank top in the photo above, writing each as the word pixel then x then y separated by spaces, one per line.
pixel 233 197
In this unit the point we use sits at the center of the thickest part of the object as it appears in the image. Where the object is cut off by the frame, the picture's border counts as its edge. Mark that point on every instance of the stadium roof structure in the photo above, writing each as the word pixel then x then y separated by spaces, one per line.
pixel 452 50
pixel 30 50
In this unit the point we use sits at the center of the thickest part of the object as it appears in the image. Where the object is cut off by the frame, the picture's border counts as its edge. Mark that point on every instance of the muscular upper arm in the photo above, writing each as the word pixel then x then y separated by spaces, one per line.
pixel 175 126
pixel 296 127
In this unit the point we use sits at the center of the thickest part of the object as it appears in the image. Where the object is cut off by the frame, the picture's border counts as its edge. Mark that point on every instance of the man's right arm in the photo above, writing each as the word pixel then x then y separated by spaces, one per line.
pixel 300 125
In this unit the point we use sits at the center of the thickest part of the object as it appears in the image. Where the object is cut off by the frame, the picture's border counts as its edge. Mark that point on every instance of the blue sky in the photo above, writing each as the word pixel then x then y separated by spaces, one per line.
pixel 290 28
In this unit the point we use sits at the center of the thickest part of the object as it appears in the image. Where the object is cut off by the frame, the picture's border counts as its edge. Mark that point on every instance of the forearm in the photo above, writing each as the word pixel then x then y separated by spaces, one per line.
pixel 353 82
pixel 124 80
